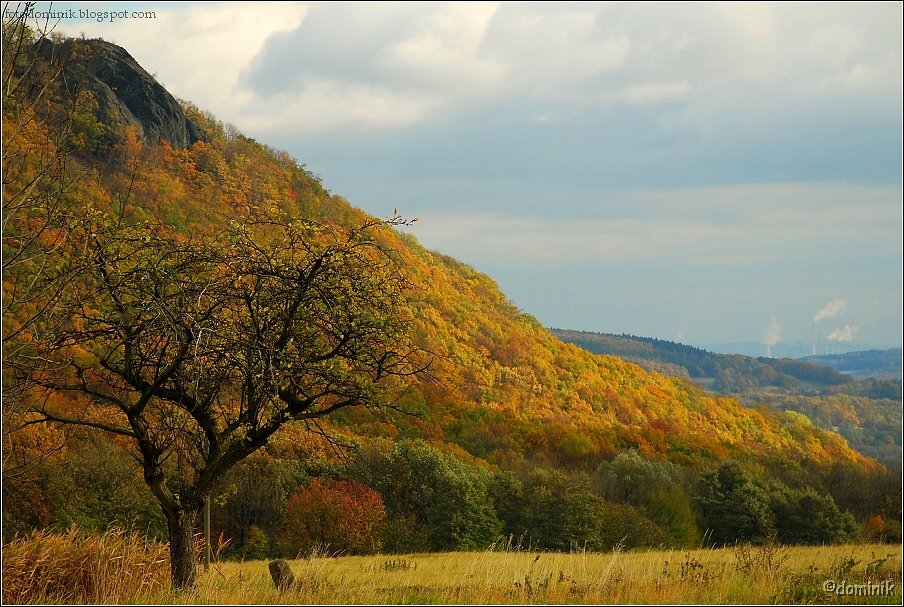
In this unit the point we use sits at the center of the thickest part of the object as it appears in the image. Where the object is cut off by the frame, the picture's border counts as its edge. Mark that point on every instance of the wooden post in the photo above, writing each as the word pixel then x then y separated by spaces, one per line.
pixel 207 533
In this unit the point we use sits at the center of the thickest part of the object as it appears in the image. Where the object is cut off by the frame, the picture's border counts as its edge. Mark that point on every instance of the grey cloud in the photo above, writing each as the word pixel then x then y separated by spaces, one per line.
pixel 342 41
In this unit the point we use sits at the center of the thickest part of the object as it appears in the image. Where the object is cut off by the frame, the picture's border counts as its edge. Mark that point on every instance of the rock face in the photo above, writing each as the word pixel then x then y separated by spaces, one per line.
pixel 124 91
pixel 282 575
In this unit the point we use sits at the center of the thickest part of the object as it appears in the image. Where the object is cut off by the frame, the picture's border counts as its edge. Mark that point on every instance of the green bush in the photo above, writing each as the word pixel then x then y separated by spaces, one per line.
pixel 449 499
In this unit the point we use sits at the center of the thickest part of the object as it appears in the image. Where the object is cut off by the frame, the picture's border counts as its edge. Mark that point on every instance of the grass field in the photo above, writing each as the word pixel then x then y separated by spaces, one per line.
pixel 119 567
pixel 754 575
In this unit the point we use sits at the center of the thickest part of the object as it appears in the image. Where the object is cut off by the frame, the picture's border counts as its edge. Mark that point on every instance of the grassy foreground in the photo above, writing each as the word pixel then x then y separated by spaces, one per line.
pixel 740 575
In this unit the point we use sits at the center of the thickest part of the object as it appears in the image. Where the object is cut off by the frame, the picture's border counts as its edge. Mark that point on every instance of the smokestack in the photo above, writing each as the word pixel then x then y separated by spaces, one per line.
pixel 768 350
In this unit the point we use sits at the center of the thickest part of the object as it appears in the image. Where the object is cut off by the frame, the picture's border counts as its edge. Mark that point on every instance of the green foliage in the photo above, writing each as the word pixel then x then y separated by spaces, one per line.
pixel 561 512
pixel 507 493
pixel 93 485
pixel 98 488
pixel 733 509
pixel 655 487
pixel 629 527
pixel 671 509
pixel 253 495
pixel 630 478
pixel 257 545
pixel 875 492
pixel 806 517
pixel 448 498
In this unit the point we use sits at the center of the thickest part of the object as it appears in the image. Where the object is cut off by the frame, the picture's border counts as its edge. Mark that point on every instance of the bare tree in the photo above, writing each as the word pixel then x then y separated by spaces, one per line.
pixel 200 349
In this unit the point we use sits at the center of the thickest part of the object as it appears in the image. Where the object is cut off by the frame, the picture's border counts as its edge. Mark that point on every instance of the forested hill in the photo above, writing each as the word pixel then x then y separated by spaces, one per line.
pixel 733 373
pixel 867 411
pixel 879 364
pixel 501 391
pixel 495 367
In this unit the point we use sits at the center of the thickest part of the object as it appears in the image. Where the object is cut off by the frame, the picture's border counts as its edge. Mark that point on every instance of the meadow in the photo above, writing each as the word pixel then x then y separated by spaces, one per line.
pixel 738 575
pixel 742 574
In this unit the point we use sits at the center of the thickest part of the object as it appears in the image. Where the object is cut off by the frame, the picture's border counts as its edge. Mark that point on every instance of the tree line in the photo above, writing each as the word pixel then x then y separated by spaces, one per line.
pixel 416 497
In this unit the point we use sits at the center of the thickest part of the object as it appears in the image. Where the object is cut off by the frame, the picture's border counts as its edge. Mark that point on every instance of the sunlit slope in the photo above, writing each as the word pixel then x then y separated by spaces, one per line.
pixel 501 386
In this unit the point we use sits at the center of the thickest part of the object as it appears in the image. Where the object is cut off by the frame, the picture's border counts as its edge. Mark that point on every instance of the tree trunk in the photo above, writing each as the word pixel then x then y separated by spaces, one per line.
pixel 183 561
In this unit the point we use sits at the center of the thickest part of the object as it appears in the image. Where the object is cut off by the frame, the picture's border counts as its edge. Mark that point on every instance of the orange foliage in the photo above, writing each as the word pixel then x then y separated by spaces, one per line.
pixel 489 356
pixel 339 516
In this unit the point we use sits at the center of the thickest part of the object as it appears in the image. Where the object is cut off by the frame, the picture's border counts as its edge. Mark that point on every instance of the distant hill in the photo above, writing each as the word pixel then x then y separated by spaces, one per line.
pixel 880 364
pixel 867 412
pixel 726 373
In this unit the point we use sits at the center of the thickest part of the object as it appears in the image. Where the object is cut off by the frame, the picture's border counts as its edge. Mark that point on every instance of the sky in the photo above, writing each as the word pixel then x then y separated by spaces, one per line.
pixel 707 173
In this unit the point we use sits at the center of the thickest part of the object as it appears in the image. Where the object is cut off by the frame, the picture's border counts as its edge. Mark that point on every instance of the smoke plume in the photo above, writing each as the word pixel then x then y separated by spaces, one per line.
pixel 833 309
pixel 773 333
pixel 846 333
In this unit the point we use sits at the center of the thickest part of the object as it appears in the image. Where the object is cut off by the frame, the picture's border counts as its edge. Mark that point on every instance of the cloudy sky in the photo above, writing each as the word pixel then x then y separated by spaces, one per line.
pixel 702 172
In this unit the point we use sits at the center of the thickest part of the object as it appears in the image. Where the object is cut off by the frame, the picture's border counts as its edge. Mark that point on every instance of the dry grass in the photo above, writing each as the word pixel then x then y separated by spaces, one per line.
pixel 783 575
pixel 74 567
pixel 121 568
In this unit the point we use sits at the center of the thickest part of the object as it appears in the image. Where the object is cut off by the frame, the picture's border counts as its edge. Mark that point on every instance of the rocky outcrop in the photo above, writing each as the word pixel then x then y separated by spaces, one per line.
pixel 124 91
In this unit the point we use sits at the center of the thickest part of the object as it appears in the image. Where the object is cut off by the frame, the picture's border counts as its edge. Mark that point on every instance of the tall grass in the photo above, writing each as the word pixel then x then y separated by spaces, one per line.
pixel 124 568
pixel 75 567
pixel 740 575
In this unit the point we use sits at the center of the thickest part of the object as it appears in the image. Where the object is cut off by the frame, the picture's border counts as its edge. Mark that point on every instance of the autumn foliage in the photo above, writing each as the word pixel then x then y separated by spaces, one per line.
pixel 508 424
pixel 336 517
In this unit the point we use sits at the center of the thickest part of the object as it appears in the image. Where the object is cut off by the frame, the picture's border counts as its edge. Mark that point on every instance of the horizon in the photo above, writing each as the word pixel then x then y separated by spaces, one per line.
pixel 708 174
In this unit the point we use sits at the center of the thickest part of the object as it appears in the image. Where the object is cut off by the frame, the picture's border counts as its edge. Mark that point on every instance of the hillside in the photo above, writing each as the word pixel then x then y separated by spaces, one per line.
pixel 503 393
pixel 878 364
pixel 729 373
pixel 866 412
pixel 495 365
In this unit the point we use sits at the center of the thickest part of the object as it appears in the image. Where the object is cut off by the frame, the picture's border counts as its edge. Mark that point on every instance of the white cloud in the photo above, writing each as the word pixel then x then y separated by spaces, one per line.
pixel 442 55
pixel 653 92
pixel 549 53
pixel 328 105
pixel 774 224
pixel 431 59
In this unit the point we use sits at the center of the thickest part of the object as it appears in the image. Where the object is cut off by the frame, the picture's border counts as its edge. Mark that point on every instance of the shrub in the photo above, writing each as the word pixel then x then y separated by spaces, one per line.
pixel 449 499
pixel 806 517
pixel 628 527
pixel 561 512
pixel 341 516
pixel 733 508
